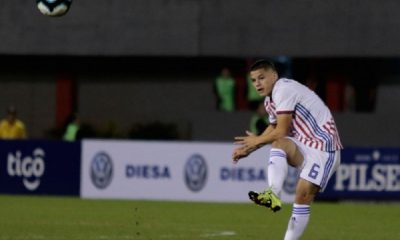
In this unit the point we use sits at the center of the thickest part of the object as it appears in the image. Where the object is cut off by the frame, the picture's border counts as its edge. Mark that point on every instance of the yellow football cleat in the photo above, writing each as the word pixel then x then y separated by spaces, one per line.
pixel 267 199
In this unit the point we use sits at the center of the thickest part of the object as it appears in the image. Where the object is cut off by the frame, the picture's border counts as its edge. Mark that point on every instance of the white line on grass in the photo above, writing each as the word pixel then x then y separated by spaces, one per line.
pixel 219 234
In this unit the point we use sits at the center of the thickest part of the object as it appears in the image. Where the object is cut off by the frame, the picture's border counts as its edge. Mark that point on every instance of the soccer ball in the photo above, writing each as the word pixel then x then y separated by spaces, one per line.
pixel 53 8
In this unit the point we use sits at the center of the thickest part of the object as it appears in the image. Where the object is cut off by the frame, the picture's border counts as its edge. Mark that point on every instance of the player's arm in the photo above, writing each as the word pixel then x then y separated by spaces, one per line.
pixel 269 129
pixel 252 142
pixel 280 130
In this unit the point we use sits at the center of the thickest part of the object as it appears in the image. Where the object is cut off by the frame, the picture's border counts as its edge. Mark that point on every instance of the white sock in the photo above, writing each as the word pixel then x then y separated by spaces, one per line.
pixel 277 170
pixel 298 221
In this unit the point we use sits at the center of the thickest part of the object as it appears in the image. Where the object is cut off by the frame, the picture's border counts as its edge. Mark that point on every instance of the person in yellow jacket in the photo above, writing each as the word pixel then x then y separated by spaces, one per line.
pixel 11 127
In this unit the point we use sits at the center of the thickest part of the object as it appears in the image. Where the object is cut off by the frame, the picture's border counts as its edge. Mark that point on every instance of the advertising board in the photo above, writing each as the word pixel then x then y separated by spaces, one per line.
pixel 366 173
pixel 191 171
pixel 39 167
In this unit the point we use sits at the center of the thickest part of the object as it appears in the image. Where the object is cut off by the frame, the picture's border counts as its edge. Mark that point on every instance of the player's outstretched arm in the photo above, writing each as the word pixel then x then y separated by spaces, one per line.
pixel 251 142
pixel 248 144
pixel 239 153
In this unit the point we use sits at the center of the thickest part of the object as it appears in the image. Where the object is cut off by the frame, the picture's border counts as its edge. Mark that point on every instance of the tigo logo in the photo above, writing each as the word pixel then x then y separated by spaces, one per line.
pixel 29 168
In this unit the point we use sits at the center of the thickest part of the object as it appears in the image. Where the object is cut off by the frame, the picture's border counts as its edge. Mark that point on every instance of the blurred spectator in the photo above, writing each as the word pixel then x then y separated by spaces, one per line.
pixel 259 121
pixel 225 91
pixel 72 128
pixel 11 127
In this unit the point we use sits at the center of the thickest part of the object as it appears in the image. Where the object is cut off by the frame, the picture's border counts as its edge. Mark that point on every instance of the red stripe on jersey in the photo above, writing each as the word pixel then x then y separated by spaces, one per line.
pixel 310 142
pixel 314 145
pixel 327 129
pixel 332 130
pixel 297 125
pixel 312 134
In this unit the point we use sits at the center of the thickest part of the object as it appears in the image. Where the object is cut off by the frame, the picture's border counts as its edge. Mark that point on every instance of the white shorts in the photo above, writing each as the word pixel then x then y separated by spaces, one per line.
pixel 318 166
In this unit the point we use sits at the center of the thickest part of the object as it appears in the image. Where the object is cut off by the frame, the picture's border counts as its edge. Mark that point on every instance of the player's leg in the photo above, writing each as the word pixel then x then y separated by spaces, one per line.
pixel 318 168
pixel 305 194
pixel 283 151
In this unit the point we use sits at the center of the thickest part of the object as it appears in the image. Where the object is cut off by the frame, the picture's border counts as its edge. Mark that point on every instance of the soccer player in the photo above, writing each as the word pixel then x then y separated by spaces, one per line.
pixel 303 134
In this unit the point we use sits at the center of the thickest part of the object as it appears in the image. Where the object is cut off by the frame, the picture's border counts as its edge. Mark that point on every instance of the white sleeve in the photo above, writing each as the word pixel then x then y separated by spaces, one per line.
pixel 272 118
pixel 285 98
pixel 270 111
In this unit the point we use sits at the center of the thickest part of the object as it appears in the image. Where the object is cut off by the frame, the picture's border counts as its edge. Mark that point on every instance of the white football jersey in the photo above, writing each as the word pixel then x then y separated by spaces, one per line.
pixel 312 124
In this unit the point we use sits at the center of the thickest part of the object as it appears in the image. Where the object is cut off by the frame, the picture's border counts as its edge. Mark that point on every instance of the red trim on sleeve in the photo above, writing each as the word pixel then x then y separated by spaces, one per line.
pixel 284 112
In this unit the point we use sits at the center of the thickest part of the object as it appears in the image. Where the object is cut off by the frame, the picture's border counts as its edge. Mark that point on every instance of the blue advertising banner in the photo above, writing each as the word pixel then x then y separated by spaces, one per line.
pixel 366 173
pixel 40 167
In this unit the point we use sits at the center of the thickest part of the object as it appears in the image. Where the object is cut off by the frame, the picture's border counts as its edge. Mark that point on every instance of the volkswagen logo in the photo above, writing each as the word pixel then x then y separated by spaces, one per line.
pixel 195 173
pixel 101 170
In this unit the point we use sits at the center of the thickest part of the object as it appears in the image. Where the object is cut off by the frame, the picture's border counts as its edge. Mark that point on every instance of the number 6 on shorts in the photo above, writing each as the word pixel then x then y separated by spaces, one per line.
pixel 314 171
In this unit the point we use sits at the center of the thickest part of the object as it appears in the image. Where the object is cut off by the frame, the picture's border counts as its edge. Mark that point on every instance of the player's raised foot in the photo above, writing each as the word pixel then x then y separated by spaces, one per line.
pixel 267 199
pixel 254 197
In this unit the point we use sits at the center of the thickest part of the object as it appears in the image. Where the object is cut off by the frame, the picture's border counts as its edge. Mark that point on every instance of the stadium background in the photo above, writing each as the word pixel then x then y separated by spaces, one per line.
pixel 116 50
pixel 122 64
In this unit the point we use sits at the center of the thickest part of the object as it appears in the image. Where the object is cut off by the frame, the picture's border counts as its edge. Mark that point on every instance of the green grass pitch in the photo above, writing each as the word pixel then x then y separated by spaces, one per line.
pixel 41 218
